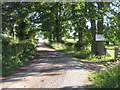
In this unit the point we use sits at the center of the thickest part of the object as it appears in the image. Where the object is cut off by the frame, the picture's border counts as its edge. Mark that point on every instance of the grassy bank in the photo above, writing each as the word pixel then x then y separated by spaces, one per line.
pixel 16 53
pixel 85 53
pixel 109 78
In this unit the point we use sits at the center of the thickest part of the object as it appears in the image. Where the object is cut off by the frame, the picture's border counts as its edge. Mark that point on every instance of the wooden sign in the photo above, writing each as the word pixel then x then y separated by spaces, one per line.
pixel 100 37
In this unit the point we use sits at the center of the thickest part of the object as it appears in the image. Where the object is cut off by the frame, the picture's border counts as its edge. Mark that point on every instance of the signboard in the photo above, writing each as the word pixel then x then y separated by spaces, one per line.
pixel 100 37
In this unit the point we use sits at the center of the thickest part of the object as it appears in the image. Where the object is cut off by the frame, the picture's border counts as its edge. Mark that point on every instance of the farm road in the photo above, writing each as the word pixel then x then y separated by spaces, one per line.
pixel 52 69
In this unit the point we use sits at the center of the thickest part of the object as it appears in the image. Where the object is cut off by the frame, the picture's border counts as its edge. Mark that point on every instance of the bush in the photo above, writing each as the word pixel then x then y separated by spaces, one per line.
pixel 69 44
pixel 69 49
pixel 107 78
pixel 81 54
pixel 16 54
pixel 80 45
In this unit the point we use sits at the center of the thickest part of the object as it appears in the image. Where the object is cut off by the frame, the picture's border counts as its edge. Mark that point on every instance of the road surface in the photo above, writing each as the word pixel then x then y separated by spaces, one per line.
pixel 52 69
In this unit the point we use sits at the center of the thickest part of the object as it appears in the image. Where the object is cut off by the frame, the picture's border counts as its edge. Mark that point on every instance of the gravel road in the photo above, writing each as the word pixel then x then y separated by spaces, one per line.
pixel 52 69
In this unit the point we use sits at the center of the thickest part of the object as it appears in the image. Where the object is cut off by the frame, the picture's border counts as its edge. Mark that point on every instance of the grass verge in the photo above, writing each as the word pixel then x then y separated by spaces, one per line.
pixel 83 54
pixel 109 78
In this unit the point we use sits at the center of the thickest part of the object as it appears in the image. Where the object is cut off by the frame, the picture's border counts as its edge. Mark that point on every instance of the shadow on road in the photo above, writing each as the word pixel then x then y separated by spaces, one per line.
pixel 51 61
pixel 84 86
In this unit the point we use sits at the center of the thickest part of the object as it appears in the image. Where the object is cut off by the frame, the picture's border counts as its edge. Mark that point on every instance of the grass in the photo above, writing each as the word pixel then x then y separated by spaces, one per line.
pixel 57 46
pixel 71 40
pixel 109 78
pixel 84 54
pixel 111 46
pixel 110 50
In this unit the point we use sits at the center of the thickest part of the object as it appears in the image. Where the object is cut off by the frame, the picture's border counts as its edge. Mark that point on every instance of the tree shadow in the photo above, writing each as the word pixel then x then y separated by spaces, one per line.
pixel 54 61
pixel 83 86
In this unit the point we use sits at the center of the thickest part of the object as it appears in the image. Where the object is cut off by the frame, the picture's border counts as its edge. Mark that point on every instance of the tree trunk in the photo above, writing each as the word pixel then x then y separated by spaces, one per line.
pixel 79 32
pixel 58 24
pixel 14 32
pixel 100 44
pixel 93 31
pixel 50 37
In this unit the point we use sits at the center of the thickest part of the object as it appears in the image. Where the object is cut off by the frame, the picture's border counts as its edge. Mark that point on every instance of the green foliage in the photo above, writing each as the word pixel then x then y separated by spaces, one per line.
pixel 84 54
pixel 56 20
pixel 70 44
pixel 57 46
pixel 16 54
pixel 111 46
pixel 94 58
pixel 108 78
pixel 80 45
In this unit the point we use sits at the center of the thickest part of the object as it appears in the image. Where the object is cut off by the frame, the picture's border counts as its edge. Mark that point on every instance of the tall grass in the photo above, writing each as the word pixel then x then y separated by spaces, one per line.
pixel 83 54
pixel 109 78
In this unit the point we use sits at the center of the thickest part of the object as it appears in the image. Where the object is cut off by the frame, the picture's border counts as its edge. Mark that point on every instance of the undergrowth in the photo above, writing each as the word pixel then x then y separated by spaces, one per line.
pixel 109 78
pixel 82 54
pixel 16 53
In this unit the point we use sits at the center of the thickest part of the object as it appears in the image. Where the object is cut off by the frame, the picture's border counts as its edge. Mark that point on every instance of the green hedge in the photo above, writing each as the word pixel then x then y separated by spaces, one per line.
pixel 109 78
pixel 16 54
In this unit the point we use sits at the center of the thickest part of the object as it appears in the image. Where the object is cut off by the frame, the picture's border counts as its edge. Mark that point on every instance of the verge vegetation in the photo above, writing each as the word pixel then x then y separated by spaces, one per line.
pixel 55 21
pixel 109 78
pixel 84 54
pixel 16 53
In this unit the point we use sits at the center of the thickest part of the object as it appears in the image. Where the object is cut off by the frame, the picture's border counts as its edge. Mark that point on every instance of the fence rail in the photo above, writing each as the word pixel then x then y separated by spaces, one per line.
pixel 117 53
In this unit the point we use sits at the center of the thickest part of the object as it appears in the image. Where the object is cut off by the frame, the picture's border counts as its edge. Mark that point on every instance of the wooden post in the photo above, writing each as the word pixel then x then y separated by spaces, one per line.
pixel 116 53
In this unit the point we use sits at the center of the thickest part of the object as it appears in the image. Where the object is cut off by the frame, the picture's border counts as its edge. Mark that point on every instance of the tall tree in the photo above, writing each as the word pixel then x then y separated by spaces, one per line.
pixel 92 16
pixel 100 27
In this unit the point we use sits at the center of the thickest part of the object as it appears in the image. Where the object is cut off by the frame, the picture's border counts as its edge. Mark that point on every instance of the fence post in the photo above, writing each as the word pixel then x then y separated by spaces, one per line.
pixel 116 52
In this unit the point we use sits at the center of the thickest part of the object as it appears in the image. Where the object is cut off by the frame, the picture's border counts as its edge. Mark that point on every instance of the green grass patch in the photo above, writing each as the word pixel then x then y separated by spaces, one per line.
pixel 71 40
pixel 111 46
pixel 57 46
pixel 110 50
pixel 83 54
pixel 109 78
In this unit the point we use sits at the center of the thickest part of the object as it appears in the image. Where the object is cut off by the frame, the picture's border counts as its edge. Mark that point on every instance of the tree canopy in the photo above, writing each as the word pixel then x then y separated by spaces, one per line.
pixel 58 20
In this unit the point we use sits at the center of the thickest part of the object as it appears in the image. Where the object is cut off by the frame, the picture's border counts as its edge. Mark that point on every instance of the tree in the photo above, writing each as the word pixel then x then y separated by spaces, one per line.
pixel 100 45
pixel 92 16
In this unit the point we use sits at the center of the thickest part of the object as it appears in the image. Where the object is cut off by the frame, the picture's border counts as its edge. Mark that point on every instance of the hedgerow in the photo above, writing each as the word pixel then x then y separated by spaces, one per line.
pixel 16 53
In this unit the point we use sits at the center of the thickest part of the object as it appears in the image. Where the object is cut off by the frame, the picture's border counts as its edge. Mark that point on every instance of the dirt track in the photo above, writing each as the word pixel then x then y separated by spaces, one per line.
pixel 52 69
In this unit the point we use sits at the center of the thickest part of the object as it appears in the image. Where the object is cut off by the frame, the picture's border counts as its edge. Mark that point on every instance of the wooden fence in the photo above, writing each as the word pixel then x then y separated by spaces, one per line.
pixel 117 53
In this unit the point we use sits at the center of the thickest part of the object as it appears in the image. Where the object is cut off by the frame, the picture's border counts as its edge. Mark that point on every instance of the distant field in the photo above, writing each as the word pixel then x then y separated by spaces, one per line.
pixel 72 40
pixel 111 51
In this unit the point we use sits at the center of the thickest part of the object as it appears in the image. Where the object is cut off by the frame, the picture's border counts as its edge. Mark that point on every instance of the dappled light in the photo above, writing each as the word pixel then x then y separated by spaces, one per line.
pixel 42 48
pixel 52 64
pixel 60 44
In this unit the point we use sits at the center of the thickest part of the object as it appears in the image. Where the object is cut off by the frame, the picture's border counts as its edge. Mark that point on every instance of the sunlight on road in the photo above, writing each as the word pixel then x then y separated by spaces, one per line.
pixel 41 47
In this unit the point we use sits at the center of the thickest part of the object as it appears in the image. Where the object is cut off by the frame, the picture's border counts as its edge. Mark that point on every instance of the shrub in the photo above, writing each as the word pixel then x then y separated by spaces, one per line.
pixel 107 78
pixel 69 44
pixel 16 54
pixel 81 54
pixel 80 45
